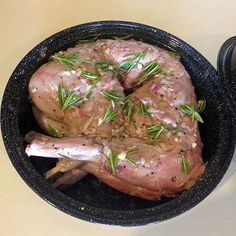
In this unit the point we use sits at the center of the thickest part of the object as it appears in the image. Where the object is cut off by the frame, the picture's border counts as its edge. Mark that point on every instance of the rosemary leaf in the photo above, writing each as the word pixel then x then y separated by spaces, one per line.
pixel 67 98
pixel 201 105
pixel 112 160
pixel 131 161
pixel 128 108
pixel 109 115
pixel 132 150
pixel 143 109
pixel 90 76
pixel 175 55
pixel 113 96
pixel 185 165
pixel 133 60
pixel 188 109
pixel 95 77
pixel 105 65
pixel 70 60
pixel 155 131
pixel 151 68
pixel 162 74
pixel 52 131
pixel 90 93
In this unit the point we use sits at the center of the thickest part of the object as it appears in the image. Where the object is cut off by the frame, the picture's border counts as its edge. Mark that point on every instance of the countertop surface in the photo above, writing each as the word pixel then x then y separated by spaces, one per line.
pixel 203 24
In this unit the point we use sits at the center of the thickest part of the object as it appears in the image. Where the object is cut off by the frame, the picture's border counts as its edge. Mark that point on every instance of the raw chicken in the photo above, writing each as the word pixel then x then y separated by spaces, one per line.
pixel 86 83
pixel 130 162
pixel 146 144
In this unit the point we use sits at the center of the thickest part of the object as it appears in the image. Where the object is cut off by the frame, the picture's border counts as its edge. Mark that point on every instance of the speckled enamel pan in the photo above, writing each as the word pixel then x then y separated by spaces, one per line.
pixel 90 199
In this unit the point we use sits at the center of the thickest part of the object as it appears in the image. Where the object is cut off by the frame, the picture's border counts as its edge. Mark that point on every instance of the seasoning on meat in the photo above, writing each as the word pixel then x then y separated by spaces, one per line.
pixel 122 110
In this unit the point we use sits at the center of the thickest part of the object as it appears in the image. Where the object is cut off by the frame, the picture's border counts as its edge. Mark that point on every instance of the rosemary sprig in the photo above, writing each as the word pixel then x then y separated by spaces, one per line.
pixel 114 157
pixel 53 132
pixel 113 161
pixel 155 131
pixel 162 73
pixel 89 94
pixel 130 152
pixel 188 109
pixel 128 108
pixel 90 75
pixel 107 66
pixel 201 105
pixel 95 77
pixel 144 109
pixel 151 68
pixel 185 165
pixel 133 60
pixel 104 65
pixel 175 55
pixel 67 98
pixel 70 60
pixel 109 115
pixel 113 96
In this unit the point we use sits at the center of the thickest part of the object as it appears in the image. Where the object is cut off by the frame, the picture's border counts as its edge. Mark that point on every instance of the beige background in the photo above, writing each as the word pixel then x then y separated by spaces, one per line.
pixel 23 24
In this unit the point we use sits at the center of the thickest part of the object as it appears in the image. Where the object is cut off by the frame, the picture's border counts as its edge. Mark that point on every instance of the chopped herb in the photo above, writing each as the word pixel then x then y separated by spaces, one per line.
pixel 185 165
pixel 128 108
pixel 188 109
pixel 107 66
pixel 161 73
pixel 132 150
pixel 95 77
pixel 113 161
pixel 144 109
pixel 129 152
pixel 109 115
pixel 90 93
pixel 201 105
pixel 104 65
pixel 113 96
pixel 90 76
pixel 175 55
pixel 151 68
pixel 133 60
pixel 53 132
pixel 67 98
pixel 70 60
pixel 130 160
pixel 114 157
pixel 155 131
